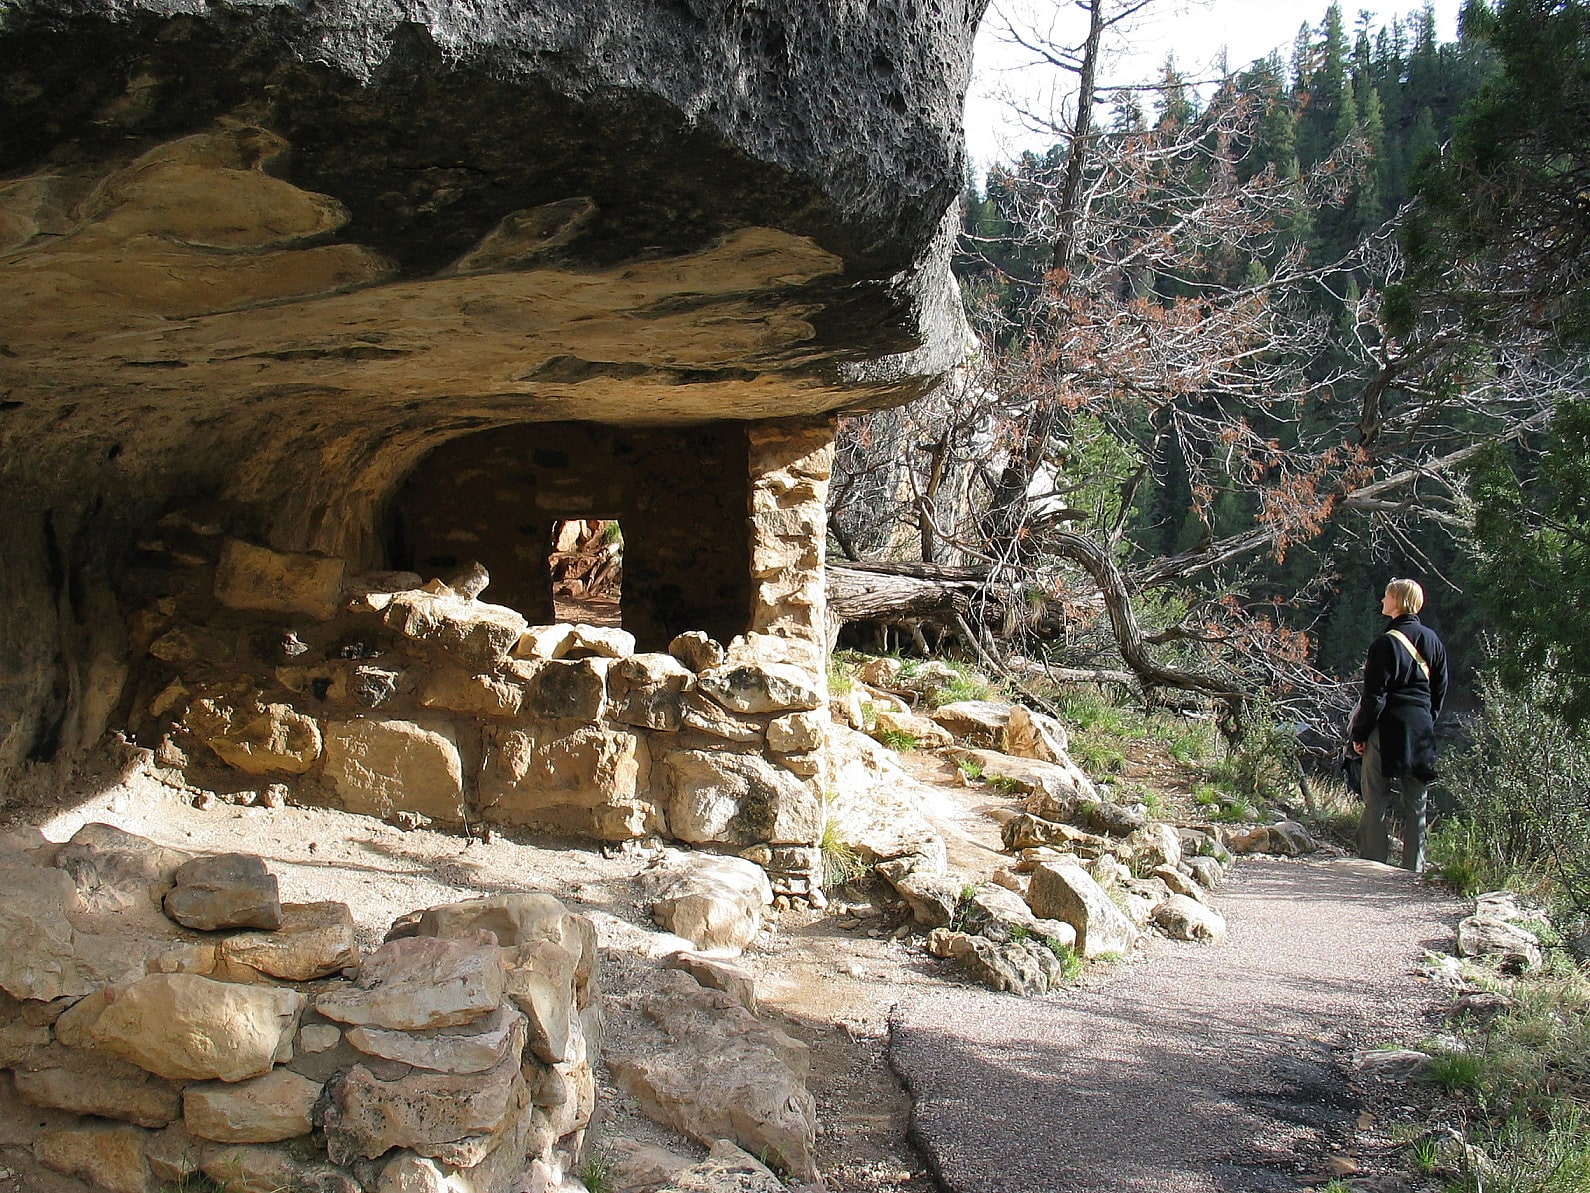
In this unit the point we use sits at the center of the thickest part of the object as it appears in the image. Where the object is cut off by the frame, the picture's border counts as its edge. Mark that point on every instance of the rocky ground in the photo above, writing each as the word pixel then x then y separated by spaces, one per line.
pixel 830 980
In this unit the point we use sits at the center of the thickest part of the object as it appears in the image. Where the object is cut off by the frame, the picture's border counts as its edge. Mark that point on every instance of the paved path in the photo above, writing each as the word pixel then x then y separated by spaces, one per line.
pixel 1197 1070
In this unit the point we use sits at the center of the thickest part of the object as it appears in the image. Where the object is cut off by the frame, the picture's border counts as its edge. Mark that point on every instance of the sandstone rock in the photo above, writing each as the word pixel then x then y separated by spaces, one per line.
pixel 23 1032
pixel 251 577
pixel 738 799
pixel 720 1073
pixel 456 690
pixel 632 1165
pixel 544 641
pixel 1108 871
pixel 602 642
pixel 109 1157
pixel 115 870
pixel 1026 968
pixel 183 645
pixel 928 734
pixel 255 736
pixel 1140 898
pixel 796 732
pixel 1026 831
pixel 881 672
pixel 584 779
pixel 186 1027
pixel 474 1048
pixel 727 1169
pixel 1184 918
pixel 448 1117
pixel 173 1157
pixel 564 689
pixel 1512 947
pixel 1179 883
pixel 479 635
pixel 715 974
pixel 38 956
pixel 261 1168
pixel 928 677
pixel 1507 906
pixel 1287 839
pixel 804 766
pixel 379 766
pixel 933 898
pixel 697 651
pixel 714 902
pixel 422 982
pixel 761 687
pixel 1060 788
pixel 267 1109
pixel 86 1083
pixel 1111 818
pixel 314 940
pixel 976 722
pixel 708 716
pixel 648 690
pixel 1029 734
pixel 227 890
pixel 516 918
pixel 1002 915
pixel 1206 872
pixel 1067 893
pixel 1155 845
pixel 876 807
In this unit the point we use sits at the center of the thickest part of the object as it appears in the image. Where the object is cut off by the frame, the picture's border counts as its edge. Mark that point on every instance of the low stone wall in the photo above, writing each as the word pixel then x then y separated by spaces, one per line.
pixel 178 1018
pixel 392 696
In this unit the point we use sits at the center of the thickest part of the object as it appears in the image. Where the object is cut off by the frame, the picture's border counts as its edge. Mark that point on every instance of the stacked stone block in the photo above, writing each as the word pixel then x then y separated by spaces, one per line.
pixel 260 1050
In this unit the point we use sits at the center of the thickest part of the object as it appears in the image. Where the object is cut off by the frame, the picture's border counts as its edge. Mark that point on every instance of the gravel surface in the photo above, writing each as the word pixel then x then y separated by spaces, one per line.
pixel 1193 1069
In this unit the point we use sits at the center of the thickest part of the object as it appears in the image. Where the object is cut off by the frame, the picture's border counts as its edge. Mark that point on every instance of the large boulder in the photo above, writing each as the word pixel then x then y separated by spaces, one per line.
pixel 714 1071
pixel 187 1027
pixel 714 902
pixel 1068 893
pixel 738 799
pixel 380 766
pixel 253 577
pixel 421 982
pixel 579 778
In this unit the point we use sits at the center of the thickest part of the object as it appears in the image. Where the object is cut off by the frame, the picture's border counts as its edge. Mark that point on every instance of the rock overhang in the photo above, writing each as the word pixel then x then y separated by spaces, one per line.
pixel 267 258
pixel 709 211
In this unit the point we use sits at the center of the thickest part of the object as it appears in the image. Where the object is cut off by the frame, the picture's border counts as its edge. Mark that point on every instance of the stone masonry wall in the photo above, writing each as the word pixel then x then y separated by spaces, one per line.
pixel 170 1016
pixel 394 696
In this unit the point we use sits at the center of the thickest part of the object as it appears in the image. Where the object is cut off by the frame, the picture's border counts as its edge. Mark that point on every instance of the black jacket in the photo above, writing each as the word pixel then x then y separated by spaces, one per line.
pixel 1401 701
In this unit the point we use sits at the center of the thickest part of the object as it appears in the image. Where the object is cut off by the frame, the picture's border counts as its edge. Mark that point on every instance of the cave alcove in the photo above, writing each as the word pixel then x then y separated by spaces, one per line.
pixel 681 495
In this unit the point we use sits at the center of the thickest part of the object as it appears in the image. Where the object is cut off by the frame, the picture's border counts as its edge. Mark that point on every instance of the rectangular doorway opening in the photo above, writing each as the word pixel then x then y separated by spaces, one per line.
pixel 587 566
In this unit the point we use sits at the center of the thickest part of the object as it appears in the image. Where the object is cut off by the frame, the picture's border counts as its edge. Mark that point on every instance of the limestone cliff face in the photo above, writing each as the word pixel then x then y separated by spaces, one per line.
pixel 259 260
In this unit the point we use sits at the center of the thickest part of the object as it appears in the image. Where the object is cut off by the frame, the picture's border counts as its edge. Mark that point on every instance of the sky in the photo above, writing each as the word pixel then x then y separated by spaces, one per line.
pixel 1194 31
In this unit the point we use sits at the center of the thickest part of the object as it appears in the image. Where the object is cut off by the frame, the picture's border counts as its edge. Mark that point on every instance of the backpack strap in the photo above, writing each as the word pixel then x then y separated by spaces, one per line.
pixel 1418 658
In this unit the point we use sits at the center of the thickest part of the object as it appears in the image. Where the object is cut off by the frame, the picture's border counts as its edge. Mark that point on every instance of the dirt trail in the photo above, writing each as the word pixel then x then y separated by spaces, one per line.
pixel 1191 1070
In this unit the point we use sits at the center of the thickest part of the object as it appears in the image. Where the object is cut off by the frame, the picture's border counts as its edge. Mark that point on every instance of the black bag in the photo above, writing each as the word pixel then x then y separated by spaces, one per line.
pixel 1351 764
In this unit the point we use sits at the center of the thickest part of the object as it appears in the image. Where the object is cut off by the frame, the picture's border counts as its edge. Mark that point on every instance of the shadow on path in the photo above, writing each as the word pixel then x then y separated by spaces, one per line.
pixel 1199 1069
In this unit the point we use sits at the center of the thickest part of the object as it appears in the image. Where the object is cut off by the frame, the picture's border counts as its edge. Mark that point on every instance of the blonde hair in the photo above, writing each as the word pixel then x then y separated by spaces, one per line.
pixel 1410 597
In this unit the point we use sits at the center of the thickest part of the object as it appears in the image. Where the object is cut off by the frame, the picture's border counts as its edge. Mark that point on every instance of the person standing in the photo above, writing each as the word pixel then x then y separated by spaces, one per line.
pixel 1405 680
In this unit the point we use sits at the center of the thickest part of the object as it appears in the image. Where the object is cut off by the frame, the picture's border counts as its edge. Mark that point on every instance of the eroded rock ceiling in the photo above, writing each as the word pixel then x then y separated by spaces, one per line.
pixel 267 256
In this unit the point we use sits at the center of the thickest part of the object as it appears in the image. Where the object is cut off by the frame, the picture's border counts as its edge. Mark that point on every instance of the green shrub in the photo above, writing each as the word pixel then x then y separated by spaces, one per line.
pixel 1071 963
pixel 842 864
pixel 1522 790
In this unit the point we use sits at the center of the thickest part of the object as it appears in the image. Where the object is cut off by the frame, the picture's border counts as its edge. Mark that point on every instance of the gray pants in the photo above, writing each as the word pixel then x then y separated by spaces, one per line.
pixel 1382 796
